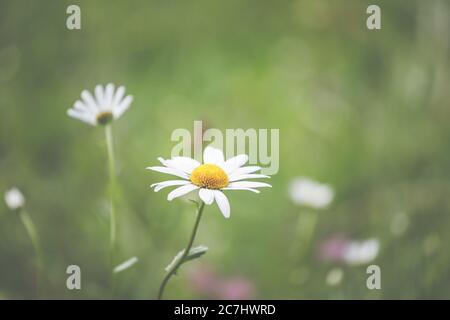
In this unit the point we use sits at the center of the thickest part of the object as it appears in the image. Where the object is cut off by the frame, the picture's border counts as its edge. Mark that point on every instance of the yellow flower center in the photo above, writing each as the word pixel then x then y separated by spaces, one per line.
pixel 104 117
pixel 209 176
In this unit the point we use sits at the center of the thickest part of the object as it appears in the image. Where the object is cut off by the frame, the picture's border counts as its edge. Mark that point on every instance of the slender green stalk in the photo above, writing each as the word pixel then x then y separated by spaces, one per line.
pixel 32 233
pixel 306 226
pixel 112 187
pixel 174 270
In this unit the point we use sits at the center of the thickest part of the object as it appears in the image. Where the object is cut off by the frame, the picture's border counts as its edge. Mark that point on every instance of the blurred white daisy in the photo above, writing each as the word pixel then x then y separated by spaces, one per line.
pixel 14 199
pixel 307 192
pixel 361 252
pixel 106 105
pixel 210 178
pixel 351 252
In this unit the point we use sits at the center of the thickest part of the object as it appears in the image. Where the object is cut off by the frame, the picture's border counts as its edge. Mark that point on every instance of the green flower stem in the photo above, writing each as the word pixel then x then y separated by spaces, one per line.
pixel 306 226
pixel 32 233
pixel 112 187
pixel 174 270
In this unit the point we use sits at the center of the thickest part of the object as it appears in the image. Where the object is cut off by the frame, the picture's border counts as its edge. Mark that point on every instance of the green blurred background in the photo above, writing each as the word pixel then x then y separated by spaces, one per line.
pixel 364 111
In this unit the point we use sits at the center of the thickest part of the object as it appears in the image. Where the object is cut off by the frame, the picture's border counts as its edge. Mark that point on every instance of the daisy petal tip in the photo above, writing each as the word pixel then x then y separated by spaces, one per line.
pixel 162 160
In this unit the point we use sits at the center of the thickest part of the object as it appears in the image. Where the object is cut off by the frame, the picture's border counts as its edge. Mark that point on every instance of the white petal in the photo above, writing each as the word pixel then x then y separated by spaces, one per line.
pixel 184 164
pixel 245 170
pixel 118 96
pixel 89 101
pixel 234 163
pixel 109 91
pixel 212 155
pixel 99 96
pixel 222 203
pixel 161 185
pixel 171 171
pixel 247 176
pixel 85 117
pixel 80 106
pixel 249 184
pixel 242 188
pixel 181 191
pixel 122 106
pixel 206 195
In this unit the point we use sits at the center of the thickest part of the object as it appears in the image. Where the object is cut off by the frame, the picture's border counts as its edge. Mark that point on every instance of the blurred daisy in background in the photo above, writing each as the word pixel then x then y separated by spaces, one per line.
pixel 307 192
pixel 14 199
pixel 350 252
pixel 361 252
pixel 106 105
pixel 210 178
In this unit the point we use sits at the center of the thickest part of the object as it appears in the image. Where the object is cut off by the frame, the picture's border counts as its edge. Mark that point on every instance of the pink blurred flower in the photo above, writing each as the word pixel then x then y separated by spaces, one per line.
pixel 203 280
pixel 206 281
pixel 333 248
pixel 351 252
pixel 235 289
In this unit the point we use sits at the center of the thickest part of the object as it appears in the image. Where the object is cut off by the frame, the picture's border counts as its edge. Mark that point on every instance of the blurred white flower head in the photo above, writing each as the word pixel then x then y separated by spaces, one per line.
pixel 106 105
pixel 350 252
pixel 14 198
pixel 361 252
pixel 307 192
pixel 211 178
pixel 334 277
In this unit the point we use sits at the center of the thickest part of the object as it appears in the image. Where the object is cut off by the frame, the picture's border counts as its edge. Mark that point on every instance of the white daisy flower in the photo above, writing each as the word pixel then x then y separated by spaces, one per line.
pixel 14 199
pixel 210 178
pixel 361 252
pixel 307 192
pixel 106 105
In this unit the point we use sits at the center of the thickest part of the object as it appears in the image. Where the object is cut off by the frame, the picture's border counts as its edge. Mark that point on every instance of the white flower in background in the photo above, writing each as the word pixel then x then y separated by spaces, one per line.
pixel 334 277
pixel 307 192
pixel 210 178
pixel 106 105
pixel 351 252
pixel 361 252
pixel 14 199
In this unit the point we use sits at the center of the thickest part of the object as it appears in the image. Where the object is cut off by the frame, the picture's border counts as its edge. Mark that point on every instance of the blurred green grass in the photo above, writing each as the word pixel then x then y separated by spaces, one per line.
pixel 366 111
